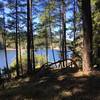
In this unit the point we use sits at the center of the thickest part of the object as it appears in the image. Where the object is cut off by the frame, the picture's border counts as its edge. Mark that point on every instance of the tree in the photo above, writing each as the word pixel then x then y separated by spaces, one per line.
pixel 63 18
pixel 12 25
pixel 4 37
pixel 30 44
pixel 87 35
pixel 17 60
pixel 15 25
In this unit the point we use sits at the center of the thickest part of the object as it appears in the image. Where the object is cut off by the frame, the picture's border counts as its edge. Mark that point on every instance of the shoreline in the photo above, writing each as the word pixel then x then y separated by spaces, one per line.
pixel 10 49
pixel 56 48
pixel 13 49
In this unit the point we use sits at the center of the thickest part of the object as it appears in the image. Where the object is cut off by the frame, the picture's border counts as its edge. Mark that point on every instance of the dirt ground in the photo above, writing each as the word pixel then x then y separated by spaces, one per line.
pixel 64 84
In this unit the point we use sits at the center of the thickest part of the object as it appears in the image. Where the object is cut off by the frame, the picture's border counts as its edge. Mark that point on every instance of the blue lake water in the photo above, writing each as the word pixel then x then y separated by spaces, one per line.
pixel 51 57
pixel 11 54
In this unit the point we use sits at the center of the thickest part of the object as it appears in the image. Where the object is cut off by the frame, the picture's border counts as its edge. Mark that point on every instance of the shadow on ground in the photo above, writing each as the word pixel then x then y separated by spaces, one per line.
pixel 56 85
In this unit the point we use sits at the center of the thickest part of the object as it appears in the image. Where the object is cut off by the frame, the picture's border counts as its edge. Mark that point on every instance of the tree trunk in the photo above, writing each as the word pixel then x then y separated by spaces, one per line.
pixel 63 17
pixel 74 20
pixel 46 40
pixel 32 38
pixel 4 43
pixel 29 37
pixel 50 32
pixel 20 53
pixel 16 42
pixel 87 35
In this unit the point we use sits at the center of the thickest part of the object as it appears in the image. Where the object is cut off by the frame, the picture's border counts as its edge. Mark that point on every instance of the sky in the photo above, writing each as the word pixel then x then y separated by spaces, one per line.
pixel 68 15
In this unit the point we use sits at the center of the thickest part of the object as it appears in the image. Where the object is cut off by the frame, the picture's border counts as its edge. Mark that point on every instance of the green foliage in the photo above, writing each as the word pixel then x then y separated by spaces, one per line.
pixel 96 29
pixel 40 60
pixel 96 15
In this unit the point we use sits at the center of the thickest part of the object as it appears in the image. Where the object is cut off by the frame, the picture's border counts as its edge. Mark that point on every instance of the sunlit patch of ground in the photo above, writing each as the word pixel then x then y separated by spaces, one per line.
pixel 62 77
pixel 81 73
pixel 66 93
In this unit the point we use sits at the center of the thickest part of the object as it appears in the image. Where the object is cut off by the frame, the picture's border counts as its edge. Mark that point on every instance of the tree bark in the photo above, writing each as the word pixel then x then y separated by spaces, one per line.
pixel 4 43
pixel 87 35
pixel 74 20
pixel 16 42
pixel 63 17
pixel 30 44
pixel 32 38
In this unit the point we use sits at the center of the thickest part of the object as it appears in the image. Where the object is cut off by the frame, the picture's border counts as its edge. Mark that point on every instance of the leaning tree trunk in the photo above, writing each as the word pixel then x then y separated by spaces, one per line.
pixel 87 35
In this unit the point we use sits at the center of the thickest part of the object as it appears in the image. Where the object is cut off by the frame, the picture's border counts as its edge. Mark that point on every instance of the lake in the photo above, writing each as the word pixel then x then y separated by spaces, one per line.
pixel 11 54
pixel 51 57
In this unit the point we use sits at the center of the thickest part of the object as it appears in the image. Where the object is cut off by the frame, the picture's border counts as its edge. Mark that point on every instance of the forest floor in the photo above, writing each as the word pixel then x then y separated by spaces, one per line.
pixel 64 84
